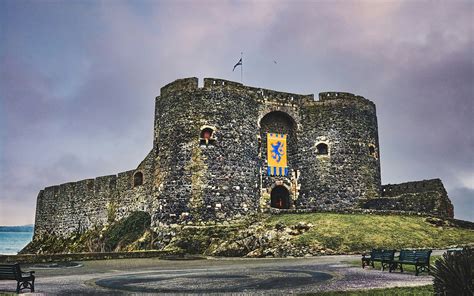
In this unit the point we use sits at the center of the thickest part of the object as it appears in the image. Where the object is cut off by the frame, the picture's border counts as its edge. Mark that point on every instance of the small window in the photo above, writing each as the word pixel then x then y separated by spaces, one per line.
pixel 372 151
pixel 137 179
pixel 206 136
pixel 322 149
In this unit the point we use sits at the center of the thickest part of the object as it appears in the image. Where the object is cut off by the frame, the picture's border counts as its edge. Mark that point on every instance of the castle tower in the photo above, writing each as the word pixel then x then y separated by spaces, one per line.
pixel 211 159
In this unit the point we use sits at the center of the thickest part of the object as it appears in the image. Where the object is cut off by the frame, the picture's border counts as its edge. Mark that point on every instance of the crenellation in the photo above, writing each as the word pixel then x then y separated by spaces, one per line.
pixel 179 85
pixel 211 83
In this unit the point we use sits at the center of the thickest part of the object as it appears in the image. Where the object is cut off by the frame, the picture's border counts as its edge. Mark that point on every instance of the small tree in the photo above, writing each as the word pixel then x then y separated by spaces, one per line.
pixel 454 273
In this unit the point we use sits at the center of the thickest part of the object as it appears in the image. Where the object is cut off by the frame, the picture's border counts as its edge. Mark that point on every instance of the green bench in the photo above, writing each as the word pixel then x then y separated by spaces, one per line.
pixel 419 258
pixel 24 280
pixel 378 255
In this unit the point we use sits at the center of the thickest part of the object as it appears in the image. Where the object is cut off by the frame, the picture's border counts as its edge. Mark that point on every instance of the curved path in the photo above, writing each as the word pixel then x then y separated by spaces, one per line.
pixel 215 275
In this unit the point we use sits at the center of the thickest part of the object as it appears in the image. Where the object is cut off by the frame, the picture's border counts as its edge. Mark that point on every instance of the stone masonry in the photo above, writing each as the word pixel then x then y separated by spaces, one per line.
pixel 208 162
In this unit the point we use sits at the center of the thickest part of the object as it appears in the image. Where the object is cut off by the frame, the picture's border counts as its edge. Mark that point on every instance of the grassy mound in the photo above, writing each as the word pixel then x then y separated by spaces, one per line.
pixel 346 233
pixel 318 234
pixel 265 236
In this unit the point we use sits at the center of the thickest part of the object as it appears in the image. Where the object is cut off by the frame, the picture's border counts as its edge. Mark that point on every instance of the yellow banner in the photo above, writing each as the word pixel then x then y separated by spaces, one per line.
pixel 276 155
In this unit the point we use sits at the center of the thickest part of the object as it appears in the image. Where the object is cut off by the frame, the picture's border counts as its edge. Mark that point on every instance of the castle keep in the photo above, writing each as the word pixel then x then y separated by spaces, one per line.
pixel 209 162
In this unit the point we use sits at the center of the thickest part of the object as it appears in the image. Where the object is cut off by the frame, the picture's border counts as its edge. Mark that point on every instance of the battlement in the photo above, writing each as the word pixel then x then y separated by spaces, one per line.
pixel 107 183
pixel 183 84
pixel 391 190
pixel 221 83
pixel 189 84
pixel 331 95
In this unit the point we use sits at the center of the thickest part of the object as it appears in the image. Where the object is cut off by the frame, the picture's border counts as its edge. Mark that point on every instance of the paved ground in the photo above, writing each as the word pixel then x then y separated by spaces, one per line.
pixel 214 276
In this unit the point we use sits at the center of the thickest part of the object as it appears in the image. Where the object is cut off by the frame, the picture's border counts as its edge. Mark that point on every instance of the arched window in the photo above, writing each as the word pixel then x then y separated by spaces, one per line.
pixel 137 179
pixel 206 136
pixel 322 149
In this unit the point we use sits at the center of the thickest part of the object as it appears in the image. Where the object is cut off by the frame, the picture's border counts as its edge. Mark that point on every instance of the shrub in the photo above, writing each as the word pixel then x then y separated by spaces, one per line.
pixel 453 273
pixel 126 231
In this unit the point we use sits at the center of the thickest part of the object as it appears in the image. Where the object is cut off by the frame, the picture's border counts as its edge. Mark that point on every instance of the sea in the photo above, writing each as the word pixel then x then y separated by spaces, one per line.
pixel 12 242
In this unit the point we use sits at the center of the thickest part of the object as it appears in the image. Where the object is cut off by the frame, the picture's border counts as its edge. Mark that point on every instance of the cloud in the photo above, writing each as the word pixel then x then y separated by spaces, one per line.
pixel 78 80
pixel 463 199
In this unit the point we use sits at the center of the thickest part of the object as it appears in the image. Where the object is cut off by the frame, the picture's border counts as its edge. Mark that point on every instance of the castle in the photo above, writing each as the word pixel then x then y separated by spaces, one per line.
pixel 209 162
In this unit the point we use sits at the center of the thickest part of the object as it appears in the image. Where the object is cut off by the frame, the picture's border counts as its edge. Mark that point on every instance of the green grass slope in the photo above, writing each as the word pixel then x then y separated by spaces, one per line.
pixel 347 233
pixel 265 235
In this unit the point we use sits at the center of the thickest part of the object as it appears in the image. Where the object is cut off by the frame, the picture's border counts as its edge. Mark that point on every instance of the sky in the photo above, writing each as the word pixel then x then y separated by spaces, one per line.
pixel 78 80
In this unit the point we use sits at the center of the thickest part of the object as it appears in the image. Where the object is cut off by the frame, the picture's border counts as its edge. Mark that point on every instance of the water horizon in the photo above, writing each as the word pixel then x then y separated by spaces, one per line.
pixel 12 242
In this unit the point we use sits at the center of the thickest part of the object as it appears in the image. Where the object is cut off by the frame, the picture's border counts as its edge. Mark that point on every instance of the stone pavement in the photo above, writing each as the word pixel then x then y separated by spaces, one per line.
pixel 214 276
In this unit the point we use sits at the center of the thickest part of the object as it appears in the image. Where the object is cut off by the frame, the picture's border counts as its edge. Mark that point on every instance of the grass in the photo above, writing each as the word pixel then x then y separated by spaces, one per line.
pixel 354 233
pixel 421 291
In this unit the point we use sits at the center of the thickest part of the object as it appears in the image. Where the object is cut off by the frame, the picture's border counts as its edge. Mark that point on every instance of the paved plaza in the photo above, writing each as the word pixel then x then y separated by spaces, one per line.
pixel 213 276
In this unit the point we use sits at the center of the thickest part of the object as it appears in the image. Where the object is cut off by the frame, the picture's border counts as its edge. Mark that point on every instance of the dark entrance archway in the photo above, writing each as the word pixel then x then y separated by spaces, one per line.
pixel 280 197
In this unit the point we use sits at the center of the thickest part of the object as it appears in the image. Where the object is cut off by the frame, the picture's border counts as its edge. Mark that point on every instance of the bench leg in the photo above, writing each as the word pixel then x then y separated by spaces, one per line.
pixel 401 267
pixel 21 285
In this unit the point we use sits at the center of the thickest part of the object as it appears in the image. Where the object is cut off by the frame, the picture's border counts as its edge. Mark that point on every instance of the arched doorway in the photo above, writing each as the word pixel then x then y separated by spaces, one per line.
pixel 280 197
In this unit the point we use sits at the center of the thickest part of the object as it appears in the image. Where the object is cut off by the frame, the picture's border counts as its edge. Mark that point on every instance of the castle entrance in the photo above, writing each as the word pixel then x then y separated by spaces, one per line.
pixel 280 197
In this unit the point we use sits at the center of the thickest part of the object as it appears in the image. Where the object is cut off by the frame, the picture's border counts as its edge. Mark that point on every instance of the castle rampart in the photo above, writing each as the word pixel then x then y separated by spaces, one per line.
pixel 426 196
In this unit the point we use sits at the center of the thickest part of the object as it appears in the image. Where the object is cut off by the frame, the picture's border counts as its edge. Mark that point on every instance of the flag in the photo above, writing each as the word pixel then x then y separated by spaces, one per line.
pixel 276 155
pixel 239 63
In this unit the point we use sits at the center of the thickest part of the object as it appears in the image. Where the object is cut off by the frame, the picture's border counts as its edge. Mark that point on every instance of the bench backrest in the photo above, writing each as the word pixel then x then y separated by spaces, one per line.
pixel 422 256
pixel 382 254
pixel 10 271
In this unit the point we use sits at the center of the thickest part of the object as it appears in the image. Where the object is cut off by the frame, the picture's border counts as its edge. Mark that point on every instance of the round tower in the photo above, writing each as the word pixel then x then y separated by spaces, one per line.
pixel 340 161
pixel 206 160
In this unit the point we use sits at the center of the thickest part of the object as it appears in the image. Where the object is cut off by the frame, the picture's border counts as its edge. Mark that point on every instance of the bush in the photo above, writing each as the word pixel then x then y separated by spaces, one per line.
pixel 453 273
pixel 126 231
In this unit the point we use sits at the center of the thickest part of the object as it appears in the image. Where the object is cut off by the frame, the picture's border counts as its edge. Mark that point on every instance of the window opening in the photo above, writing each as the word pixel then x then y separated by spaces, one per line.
pixel 137 179
pixel 206 137
pixel 322 149
pixel 372 151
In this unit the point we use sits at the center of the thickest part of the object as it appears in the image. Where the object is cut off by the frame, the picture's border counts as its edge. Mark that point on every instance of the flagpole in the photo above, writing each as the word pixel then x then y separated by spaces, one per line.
pixel 241 68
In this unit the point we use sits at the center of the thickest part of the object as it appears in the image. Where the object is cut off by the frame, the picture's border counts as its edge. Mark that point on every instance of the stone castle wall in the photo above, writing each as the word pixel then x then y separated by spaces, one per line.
pixel 427 196
pixel 187 179
pixel 78 206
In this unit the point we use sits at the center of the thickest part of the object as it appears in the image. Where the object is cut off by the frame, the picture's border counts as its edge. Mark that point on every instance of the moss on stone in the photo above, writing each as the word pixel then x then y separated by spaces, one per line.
pixel 126 231
pixel 197 168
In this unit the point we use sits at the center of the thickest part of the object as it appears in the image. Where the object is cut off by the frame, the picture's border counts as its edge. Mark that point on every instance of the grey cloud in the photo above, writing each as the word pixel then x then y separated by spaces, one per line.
pixel 463 199
pixel 79 95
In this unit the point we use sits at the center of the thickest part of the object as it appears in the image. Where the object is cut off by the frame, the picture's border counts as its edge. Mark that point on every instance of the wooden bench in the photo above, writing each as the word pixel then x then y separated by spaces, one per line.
pixel 24 280
pixel 378 255
pixel 419 258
